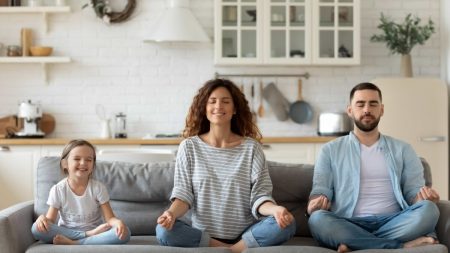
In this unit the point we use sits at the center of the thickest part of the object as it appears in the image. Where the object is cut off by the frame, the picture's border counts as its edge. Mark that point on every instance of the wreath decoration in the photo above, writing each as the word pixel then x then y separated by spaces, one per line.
pixel 104 11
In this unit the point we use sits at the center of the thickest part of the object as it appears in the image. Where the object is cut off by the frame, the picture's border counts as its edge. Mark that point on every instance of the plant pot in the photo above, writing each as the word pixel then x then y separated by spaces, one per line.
pixel 406 66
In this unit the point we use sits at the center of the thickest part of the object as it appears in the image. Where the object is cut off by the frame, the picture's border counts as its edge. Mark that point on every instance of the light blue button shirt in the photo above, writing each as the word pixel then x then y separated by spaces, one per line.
pixel 337 172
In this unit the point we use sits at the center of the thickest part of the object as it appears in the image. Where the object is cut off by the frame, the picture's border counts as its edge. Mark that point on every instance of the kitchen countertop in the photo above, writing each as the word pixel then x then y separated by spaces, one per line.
pixel 156 141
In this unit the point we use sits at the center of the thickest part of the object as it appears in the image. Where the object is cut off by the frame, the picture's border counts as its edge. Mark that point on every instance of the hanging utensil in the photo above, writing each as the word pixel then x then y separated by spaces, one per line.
pixel 300 111
pixel 261 108
pixel 276 100
pixel 252 103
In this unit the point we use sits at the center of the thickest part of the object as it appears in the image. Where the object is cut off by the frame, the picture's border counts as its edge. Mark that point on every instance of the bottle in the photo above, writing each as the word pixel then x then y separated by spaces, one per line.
pixel 121 126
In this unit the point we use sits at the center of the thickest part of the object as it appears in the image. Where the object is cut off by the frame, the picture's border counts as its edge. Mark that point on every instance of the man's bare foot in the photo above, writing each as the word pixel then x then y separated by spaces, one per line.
pixel 421 241
pixel 343 248
pixel 62 240
pixel 100 229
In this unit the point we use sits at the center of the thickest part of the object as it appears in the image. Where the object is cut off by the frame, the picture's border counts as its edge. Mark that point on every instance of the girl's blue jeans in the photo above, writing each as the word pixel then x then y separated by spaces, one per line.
pixel 375 232
pixel 263 233
pixel 107 237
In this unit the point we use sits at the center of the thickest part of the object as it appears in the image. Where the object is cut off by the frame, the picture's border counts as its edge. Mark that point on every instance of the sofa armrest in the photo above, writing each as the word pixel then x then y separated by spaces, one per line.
pixel 443 226
pixel 15 228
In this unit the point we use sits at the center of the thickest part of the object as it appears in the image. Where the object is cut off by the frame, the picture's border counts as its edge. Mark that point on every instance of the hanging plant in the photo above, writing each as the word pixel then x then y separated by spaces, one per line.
pixel 104 11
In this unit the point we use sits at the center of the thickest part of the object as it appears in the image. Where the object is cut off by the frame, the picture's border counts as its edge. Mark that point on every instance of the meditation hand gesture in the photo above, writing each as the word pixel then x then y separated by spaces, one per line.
pixel 43 224
pixel 282 216
pixel 318 203
pixel 121 230
pixel 427 193
pixel 166 220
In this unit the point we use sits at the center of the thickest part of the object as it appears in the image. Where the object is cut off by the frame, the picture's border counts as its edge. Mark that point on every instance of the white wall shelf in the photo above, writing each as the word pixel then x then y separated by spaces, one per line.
pixel 43 10
pixel 42 60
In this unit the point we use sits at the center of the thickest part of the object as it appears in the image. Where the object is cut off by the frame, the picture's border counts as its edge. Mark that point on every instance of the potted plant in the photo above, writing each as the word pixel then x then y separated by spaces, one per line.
pixel 401 38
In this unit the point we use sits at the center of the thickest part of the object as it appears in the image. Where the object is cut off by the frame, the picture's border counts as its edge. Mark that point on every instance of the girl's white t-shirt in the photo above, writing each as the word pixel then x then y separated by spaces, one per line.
pixel 78 212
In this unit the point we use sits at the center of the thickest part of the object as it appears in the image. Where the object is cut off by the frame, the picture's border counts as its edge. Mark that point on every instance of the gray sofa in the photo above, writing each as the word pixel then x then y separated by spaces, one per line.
pixel 139 194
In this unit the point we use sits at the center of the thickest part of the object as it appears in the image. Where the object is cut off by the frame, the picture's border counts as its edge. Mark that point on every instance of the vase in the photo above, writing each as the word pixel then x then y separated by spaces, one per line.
pixel 406 65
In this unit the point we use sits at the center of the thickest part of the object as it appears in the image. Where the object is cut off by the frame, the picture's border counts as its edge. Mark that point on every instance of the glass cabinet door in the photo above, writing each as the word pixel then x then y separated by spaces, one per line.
pixel 336 32
pixel 238 31
pixel 287 31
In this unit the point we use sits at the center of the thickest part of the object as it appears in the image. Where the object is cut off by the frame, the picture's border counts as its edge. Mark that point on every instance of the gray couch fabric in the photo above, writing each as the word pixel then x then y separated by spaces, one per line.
pixel 139 194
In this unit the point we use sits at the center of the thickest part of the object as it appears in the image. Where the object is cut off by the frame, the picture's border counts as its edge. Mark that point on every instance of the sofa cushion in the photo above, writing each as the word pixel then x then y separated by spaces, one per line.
pixel 292 184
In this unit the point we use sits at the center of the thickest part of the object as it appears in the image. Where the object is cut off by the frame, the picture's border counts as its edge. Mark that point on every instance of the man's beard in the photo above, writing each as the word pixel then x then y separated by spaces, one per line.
pixel 369 126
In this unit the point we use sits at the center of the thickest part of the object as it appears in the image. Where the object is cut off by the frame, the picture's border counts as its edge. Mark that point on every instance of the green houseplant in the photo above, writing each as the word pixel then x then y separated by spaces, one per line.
pixel 401 38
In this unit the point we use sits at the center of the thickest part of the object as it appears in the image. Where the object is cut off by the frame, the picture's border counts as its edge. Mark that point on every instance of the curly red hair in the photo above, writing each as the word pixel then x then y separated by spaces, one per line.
pixel 242 122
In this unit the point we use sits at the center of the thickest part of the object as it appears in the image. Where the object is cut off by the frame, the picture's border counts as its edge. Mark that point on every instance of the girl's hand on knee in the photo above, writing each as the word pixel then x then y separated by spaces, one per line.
pixel 121 230
pixel 42 224
pixel 283 216
pixel 166 220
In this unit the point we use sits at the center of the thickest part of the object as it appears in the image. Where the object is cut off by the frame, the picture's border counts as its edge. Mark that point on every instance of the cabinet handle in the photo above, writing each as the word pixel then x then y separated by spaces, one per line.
pixel 4 148
pixel 266 146
pixel 432 139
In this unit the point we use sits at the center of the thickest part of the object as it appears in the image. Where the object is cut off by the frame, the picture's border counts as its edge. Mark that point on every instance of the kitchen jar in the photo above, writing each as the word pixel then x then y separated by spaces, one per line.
pixel 120 126
pixel 34 3
pixel 14 50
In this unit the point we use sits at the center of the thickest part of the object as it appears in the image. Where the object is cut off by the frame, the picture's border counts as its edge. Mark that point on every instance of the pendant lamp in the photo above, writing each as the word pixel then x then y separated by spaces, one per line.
pixel 178 24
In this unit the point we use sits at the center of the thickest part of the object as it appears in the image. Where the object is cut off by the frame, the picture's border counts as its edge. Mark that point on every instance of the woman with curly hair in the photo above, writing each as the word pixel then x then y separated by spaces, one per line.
pixel 221 175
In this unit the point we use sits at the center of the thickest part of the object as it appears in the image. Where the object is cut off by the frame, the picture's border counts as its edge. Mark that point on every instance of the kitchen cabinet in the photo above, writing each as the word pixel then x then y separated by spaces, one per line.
pixel 17 167
pixel 287 32
pixel 291 152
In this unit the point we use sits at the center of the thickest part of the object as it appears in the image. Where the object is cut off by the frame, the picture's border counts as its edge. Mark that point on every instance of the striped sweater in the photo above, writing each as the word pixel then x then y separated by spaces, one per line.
pixel 223 186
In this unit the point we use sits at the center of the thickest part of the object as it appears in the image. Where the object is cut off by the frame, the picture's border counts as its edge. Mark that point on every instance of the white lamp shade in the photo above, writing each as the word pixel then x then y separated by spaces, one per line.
pixel 178 24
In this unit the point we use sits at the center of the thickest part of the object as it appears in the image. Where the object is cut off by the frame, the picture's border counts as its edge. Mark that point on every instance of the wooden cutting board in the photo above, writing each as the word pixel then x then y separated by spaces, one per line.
pixel 11 124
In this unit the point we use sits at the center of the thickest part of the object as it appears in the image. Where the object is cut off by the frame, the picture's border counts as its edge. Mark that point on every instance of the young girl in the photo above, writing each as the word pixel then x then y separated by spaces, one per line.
pixel 81 202
pixel 221 175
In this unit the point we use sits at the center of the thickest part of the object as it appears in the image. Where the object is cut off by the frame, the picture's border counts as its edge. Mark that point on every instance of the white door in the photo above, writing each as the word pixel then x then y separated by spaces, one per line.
pixel 416 111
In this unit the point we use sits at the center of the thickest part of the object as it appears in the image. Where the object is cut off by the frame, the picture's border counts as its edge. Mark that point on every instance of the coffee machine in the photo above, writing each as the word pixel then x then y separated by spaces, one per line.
pixel 31 113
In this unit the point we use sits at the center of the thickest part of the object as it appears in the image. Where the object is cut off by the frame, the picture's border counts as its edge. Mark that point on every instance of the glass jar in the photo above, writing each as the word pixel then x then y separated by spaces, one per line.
pixel 14 51
pixel 120 126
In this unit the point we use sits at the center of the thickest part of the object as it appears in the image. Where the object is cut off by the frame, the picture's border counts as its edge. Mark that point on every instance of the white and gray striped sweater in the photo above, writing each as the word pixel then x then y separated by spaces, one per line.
pixel 223 186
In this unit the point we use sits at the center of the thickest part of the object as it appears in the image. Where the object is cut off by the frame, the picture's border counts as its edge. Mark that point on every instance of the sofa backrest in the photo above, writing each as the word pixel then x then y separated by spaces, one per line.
pixel 140 192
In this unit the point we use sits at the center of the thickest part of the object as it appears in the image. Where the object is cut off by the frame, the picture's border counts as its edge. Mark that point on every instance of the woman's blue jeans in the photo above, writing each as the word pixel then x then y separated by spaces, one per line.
pixel 263 233
pixel 107 237
pixel 374 232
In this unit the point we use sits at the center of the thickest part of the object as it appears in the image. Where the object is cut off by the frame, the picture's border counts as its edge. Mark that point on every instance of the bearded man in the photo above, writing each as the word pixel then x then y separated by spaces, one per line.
pixel 368 188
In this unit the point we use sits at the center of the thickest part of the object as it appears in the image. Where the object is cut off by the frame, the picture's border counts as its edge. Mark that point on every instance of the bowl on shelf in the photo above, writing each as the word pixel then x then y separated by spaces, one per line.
pixel 40 51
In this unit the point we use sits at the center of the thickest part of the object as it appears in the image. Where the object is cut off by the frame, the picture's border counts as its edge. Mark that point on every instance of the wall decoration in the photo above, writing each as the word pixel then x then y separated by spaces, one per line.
pixel 104 11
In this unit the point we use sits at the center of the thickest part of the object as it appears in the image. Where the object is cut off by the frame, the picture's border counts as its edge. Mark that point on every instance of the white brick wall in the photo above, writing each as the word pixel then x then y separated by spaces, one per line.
pixel 154 83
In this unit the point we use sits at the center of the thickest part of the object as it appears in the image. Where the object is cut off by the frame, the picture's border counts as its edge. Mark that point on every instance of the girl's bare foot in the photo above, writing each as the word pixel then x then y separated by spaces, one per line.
pixel 62 240
pixel 343 248
pixel 421 241
pixel 100 229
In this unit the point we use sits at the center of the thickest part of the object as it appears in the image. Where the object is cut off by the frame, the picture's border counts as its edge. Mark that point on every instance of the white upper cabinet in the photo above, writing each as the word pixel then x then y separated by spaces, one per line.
pixel 287 32
pixel 336 32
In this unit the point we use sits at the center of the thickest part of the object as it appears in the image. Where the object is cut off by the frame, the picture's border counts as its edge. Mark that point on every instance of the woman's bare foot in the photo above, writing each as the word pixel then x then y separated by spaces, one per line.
pixel 343 248
pixel 100 229
pixel 62 240
pixel 217 243
pixel 424 240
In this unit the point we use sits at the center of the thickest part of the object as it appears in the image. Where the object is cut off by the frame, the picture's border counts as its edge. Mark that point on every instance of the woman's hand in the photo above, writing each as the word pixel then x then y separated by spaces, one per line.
pixel 167 219
pixel 282 216
pixel 121 230
pixel 43 224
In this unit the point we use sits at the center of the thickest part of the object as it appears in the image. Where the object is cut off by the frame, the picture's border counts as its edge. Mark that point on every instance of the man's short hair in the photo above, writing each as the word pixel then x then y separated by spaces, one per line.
pixel 365 86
